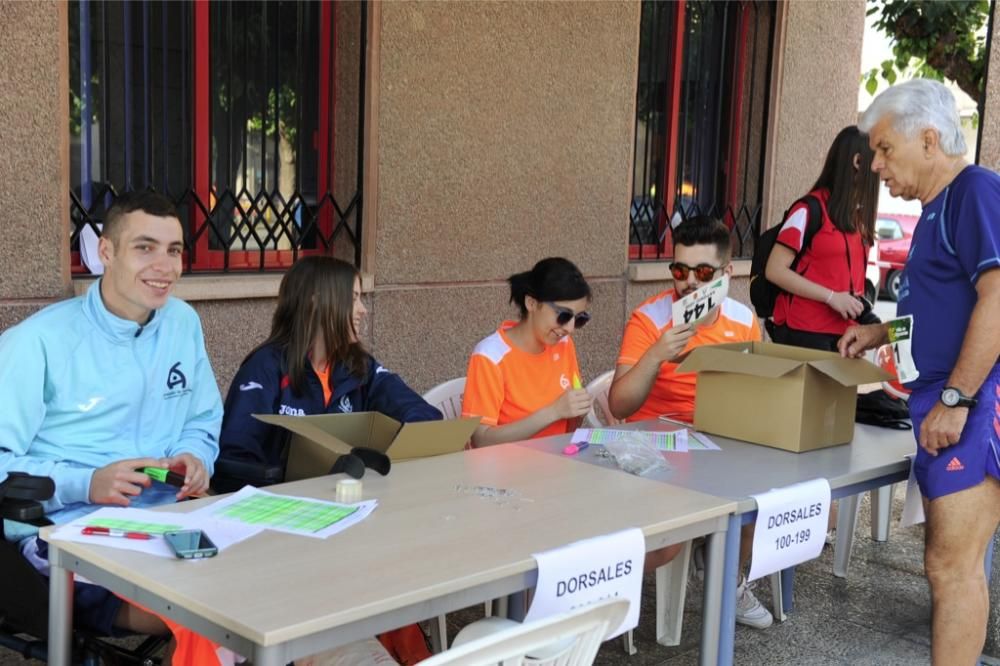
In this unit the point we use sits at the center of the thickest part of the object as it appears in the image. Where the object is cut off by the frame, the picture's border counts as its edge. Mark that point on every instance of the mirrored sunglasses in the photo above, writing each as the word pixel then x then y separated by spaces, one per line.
pixel 703 272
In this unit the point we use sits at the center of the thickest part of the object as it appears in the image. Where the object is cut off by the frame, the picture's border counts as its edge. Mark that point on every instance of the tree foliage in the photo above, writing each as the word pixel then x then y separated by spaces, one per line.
pixel 934 39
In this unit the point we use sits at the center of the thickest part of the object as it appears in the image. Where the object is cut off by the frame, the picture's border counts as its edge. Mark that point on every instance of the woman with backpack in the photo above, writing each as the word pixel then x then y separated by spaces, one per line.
pixel 821 252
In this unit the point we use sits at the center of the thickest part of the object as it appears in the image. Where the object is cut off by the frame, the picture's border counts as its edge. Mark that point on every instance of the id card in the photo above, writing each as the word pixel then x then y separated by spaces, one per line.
pixel 901 342
pixel 699 303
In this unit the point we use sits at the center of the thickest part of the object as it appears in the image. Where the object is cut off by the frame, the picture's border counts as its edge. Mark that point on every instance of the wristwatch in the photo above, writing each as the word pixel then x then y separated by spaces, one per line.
pixel 952 397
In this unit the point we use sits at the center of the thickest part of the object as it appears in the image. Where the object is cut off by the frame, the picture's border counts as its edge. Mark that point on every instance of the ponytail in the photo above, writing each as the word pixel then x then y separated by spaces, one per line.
pixel 551 279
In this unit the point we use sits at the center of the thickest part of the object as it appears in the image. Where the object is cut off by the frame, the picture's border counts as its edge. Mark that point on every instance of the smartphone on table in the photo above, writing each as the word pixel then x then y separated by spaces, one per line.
pixel 190 544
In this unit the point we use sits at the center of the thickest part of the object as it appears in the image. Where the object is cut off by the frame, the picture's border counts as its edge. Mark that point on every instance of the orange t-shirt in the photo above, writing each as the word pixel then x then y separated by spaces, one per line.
pixel 324 380
pixel 504 384
pixel 673 393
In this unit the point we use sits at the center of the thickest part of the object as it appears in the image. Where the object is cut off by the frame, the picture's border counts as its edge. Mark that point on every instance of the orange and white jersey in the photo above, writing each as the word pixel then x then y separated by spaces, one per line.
pixel 673 393
pixel 505 384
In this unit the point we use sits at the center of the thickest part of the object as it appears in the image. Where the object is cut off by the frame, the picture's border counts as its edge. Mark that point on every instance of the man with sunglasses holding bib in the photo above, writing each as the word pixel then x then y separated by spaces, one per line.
pixel 647 385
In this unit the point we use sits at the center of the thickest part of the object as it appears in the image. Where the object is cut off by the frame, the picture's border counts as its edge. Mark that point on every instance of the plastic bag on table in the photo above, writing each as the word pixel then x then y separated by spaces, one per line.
pixel 636 454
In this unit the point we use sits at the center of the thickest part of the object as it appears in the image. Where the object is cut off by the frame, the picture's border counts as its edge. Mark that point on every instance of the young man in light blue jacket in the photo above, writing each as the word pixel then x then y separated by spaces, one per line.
pixel 98 386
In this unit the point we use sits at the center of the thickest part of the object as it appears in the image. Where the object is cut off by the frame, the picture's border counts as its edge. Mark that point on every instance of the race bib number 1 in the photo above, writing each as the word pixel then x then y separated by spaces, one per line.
pixel 901 342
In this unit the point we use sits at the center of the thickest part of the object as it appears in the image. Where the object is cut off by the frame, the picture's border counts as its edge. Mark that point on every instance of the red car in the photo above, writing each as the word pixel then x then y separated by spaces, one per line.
pixel 893 232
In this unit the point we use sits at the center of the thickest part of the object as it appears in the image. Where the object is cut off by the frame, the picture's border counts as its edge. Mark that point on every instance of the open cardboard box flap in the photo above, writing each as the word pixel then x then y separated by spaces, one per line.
pixel 342 432
pixel 738 357
pixel 764 359
pixel 308 427
pixel 849 372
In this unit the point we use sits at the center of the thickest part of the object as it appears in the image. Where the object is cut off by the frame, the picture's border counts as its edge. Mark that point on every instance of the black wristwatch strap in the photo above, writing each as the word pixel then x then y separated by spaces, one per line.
pixel 963 400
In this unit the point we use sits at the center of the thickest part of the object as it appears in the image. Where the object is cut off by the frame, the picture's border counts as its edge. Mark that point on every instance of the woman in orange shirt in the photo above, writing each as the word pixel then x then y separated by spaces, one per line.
pixel 523 380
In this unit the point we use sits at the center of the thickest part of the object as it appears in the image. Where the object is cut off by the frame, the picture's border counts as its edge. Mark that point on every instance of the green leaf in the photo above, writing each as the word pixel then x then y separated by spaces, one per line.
pixel 890 76
pixel 871 85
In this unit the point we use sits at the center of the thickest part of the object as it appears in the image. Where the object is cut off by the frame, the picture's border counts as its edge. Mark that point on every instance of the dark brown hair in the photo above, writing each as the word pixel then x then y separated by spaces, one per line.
pixel 148 202
pixel 853 199
pixel 317 296
pixel 551 279
pixel 704 230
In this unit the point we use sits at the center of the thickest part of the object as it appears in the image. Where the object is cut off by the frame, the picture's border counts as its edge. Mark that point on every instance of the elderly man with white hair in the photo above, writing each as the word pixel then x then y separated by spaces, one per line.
pixel 951 287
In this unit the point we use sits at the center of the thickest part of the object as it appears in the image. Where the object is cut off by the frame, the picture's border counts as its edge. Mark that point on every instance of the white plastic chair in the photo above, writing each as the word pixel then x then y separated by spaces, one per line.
pixel 575 637
pixel 599 414
pixel 447 396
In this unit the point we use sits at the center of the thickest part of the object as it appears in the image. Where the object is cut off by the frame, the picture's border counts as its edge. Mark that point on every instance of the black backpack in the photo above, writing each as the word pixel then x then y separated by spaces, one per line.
pixel 763 293
pixel 878 408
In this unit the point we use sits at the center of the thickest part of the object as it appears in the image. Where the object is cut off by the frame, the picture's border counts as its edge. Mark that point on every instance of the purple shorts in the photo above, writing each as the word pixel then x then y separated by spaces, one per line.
pixel 977 453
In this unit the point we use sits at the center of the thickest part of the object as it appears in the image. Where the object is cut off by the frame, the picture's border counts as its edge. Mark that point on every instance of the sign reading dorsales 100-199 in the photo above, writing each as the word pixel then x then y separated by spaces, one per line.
pixel 588 571
pixel 791 526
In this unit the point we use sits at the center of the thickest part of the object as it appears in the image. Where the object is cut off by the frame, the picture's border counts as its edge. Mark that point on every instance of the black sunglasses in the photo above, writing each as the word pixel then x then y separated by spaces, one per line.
pixel 563 315
pixel 704 272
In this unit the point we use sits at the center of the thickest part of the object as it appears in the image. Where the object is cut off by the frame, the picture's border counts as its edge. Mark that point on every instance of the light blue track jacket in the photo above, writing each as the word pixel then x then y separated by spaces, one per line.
pixel 82 388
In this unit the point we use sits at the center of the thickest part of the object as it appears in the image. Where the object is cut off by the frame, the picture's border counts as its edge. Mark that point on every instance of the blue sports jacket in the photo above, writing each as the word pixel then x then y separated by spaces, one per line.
pixel 82 388
pixel 261 386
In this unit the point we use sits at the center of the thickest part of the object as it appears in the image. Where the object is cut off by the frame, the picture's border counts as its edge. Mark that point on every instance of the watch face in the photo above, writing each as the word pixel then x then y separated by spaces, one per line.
pixel 950 397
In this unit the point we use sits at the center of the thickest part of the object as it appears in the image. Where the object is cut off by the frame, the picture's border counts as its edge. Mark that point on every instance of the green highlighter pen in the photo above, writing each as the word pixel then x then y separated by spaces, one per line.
pixel 163 475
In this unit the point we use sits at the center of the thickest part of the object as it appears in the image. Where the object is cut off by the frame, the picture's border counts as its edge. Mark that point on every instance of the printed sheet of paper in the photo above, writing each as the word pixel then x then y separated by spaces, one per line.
pixel 589 571
pixel 673 442
pixel 698 441
pixel 791 526
pixel 699 303
pixel 223 533
pixel 295 515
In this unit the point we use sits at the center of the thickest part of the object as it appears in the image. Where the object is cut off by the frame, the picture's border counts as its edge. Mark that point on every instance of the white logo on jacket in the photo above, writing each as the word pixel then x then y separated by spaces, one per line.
pixel 285 410
pixel 90 404
pixel 250 386
pixel 345 405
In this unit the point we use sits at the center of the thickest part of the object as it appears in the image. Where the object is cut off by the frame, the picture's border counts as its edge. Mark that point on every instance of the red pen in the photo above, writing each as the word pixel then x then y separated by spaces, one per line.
pixel 107 531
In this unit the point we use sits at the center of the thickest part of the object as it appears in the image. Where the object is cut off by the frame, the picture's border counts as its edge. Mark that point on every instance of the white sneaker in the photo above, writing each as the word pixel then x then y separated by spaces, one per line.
pixel 749 611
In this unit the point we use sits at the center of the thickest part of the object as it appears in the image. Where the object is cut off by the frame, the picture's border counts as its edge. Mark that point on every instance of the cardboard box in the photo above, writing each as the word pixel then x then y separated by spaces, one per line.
pixel 317 441
pixel 785 397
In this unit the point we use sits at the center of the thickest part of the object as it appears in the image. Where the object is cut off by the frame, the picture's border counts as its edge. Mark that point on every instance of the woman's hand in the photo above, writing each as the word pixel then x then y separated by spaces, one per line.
pixel 572 404
pixel 846 305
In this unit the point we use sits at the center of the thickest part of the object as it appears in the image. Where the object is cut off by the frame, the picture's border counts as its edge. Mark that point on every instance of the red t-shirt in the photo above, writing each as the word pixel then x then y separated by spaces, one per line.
pixel 825 263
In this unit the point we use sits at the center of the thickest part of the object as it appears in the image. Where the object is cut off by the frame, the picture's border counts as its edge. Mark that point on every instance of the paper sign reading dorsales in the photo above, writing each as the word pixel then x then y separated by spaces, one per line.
pixel 589 571
pixel 699 303
pixel 791 526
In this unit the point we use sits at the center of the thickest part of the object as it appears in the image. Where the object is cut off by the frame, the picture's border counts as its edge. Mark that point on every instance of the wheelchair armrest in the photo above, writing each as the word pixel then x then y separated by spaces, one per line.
pixel 248 471
pixel 22 511
pixel 21 486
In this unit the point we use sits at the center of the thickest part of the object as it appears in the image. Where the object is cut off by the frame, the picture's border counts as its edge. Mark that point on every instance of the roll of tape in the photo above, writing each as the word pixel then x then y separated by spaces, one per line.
pixel 348 491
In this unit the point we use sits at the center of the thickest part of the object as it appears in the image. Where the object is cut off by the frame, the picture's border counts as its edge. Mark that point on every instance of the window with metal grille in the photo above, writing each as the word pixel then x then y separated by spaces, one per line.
pixel 701 112
pixel 247 114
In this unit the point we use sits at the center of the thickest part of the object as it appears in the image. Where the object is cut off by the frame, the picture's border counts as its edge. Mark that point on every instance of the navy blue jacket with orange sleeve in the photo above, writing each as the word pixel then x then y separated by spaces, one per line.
pixel 261 386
